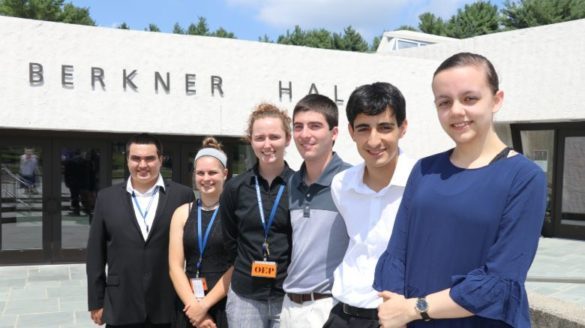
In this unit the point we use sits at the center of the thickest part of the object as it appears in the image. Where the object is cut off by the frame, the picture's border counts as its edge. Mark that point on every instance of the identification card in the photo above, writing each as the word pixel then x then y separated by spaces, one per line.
pixel 199 286
pixel 264 269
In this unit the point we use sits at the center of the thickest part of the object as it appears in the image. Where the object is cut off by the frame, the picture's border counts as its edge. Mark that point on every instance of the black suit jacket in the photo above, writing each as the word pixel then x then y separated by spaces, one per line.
pixel 137 283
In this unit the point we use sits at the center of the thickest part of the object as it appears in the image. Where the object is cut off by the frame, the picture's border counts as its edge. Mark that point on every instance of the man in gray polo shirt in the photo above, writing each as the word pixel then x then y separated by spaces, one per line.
pixel 319 235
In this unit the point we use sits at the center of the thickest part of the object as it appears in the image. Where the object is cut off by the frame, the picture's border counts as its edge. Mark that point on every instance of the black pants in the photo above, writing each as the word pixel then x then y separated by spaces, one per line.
pixel 340 319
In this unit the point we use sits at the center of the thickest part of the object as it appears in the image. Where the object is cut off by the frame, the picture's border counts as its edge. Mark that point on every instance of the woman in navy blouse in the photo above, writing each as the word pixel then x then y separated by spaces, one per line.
pixel 468 226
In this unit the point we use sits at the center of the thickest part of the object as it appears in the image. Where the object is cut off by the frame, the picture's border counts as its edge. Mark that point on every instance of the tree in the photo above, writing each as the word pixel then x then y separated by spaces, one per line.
pixel 76 15
pixel 431 24
pixel 265 38
pixel 296 38
pixel 152 28
pixel 528 13
pixel 474 19
pixel 351 40
pixel 200 28
pixel 48 10
pixel 375 43
pixel 406 28
pixel 177 29
pixel 124 26
pixel 222 33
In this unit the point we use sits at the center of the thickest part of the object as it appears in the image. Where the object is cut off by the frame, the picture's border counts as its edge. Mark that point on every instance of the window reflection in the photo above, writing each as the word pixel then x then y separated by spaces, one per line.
pixel 21 214
pixel 538 145
pixel 79 184
pixel 573 204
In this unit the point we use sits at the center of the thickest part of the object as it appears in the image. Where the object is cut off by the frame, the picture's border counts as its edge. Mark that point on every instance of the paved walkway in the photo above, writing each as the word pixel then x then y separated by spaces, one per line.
pixel 55 295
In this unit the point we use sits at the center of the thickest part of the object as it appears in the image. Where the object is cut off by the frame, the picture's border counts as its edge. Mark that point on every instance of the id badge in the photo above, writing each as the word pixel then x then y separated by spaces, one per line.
pixel 264 269
pixel 199 286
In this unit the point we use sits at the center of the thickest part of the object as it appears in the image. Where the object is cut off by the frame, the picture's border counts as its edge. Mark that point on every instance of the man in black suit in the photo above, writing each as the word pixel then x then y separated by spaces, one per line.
pixel 130 234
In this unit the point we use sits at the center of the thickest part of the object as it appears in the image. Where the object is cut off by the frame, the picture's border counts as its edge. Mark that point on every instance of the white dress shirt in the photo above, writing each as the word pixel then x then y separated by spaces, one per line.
pixel 148 203
pixel 369 217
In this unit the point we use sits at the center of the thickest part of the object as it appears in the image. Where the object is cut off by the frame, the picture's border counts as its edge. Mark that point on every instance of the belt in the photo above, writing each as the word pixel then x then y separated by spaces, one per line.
pixel 301 298
pixel 353 311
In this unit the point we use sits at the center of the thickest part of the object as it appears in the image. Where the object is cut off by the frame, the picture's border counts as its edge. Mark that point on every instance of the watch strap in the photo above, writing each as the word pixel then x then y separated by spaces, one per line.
pixel 422 307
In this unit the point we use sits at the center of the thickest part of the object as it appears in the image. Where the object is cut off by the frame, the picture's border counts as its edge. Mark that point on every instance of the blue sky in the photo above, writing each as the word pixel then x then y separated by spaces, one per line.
pixel 250 19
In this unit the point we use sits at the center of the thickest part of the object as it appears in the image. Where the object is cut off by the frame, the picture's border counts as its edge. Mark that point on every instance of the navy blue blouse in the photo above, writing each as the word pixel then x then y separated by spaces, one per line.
pixel 474 231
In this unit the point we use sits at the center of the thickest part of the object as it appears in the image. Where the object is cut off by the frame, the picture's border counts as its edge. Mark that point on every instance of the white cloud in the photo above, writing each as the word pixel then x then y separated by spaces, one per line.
pixel 444 8
pixel 369 17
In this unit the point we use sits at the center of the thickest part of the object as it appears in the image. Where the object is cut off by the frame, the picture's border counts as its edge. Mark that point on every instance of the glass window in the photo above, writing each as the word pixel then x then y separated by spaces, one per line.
pixel 21 214
pixel 404 44
pixel 538 145
pixel 80 167
pixel 573 203
pixel 119 167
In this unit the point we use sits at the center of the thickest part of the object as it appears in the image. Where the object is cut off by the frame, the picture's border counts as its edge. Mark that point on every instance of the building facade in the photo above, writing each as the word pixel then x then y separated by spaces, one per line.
pixel 72 95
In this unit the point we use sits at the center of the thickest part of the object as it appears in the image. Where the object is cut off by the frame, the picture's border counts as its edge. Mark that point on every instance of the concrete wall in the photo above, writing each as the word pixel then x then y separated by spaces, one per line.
pixel 250 73
pixel 550 312
pixel 541 69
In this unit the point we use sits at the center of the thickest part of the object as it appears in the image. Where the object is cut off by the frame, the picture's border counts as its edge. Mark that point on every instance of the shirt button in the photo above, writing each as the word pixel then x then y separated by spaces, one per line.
pixel 308 195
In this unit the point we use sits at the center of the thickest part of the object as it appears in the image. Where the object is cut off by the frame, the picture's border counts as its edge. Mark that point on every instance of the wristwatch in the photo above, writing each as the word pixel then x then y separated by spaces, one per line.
pixel 422 307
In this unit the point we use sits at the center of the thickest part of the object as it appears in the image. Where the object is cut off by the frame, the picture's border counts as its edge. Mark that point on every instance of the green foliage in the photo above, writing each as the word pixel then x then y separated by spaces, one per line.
pixel 528 13
pixel 200 28
pixel 431 24
pixel 222 33
pixel 76 15
pixel 482 17
pixel 375 43
pixel 474 19
pixel 406 28
pixel 152 28
pixel 265 38
pixel 177 29
pixel 48 10
pixel 124 26
pixel 350 40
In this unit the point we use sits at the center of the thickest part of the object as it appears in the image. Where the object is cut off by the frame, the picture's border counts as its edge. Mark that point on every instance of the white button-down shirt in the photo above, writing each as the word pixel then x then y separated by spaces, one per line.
pixel 144 199
pixel 369 217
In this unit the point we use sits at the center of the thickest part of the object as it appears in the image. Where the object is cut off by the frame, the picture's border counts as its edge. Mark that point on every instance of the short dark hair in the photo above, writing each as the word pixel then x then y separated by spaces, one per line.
pixel 320 104
pixel 471 59
pixel 373 99
pixel 144 139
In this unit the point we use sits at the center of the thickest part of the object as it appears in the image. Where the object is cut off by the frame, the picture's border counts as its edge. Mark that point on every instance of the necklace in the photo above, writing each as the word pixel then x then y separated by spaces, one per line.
pixel 209 207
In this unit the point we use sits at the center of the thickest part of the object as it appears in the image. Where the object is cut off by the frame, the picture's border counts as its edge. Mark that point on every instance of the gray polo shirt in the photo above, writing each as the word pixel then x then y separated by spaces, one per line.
pixel 319 235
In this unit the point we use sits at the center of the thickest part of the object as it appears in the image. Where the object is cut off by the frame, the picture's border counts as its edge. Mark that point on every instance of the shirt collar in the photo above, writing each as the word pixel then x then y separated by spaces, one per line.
pixel 399 178
pixel 332 168
pixel 283 176
pixel 159 182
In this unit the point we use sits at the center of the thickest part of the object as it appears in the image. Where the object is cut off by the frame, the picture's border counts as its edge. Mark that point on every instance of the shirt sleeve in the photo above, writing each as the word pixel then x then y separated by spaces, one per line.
pixel 335 190
pixel 229 220
pixel 96 258
pixel 496 290
pixel 390 270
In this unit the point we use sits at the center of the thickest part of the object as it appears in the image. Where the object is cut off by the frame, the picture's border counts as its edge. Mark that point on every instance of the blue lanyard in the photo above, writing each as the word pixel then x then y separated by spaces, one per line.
pixel 147 208
pixel 203 241
pixel 267 225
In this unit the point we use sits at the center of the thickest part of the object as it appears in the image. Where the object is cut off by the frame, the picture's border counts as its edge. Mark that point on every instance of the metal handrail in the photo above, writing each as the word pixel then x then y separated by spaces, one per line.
pixel 556 279
pixel 16 180
pixel 15 177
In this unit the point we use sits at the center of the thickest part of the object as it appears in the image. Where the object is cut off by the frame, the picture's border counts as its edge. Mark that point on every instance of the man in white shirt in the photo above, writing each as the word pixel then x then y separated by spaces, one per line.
pixel 368 196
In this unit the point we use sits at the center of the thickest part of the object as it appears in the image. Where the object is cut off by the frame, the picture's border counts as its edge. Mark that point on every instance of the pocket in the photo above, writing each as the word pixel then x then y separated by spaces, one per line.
pixel 112 280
